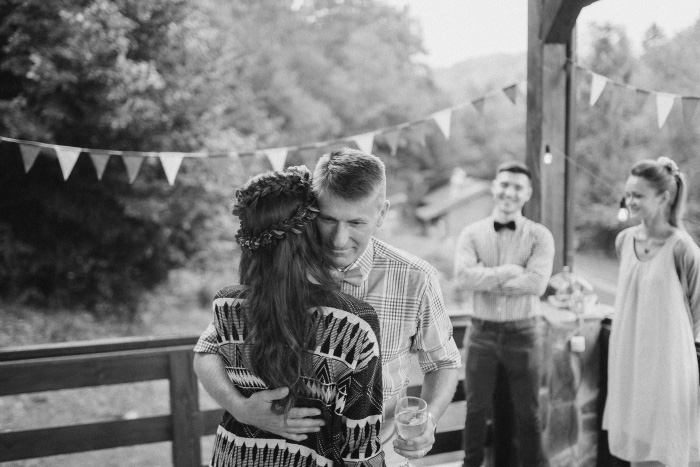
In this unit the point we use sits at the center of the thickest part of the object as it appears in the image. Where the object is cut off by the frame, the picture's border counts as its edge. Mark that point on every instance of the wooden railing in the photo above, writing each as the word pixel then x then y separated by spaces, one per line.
pixel 98 363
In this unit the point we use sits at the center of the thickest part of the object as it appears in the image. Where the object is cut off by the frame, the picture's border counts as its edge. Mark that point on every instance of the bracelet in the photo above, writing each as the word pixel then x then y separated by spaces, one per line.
pixel 432 420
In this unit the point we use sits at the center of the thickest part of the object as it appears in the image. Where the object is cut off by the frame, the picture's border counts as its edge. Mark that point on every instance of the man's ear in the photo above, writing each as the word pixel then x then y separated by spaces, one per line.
pixel 382 213
pixel 493 187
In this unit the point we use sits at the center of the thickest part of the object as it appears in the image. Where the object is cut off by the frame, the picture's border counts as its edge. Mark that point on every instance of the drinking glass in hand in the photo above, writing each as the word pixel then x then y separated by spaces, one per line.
pixel 411 418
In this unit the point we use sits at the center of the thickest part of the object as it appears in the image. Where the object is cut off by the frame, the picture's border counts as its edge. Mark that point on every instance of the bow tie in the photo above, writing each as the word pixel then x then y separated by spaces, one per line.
pixel 352 276
pixel 508 225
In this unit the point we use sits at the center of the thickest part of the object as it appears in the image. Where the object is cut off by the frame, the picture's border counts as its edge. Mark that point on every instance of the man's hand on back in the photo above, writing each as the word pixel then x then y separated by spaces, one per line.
pixel 255 410
pixel 258 413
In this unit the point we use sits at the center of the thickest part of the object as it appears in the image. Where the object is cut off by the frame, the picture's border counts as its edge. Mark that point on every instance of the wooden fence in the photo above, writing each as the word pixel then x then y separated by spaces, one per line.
pixel 97 363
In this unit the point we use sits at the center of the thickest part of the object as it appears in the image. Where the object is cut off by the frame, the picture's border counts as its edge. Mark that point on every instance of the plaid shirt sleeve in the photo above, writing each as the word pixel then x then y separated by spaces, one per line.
pixel 434 343
pixel 207 342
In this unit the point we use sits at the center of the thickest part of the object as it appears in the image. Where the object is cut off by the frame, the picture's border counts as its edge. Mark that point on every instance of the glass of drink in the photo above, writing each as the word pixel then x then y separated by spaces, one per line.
pixel 411 418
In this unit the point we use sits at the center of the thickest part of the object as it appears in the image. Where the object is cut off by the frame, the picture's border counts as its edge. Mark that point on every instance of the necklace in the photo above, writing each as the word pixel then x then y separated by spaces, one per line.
pixel 648 244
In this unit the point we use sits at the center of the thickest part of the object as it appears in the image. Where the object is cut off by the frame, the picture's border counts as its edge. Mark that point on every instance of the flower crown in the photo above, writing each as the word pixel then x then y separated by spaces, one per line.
pixel 293 180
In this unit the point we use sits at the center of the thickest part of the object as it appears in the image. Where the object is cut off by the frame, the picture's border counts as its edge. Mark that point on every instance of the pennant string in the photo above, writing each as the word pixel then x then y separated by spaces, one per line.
pixel 133 159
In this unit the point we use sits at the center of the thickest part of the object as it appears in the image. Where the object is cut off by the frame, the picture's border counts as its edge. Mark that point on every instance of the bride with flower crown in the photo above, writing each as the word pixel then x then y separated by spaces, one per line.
pixel 288 325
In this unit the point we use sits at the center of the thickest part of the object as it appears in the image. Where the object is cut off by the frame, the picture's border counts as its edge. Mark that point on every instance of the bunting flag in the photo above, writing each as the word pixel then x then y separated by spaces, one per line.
pixel 133 165
pixel 664 104
pixel 277 157
pixel 29 154
pixel 365 142
pixel 598 83
pixel 689 104
pixel 511 92
pixel 443 120
pixel 99 160
pixel 171 162
pixel 309 152
pixel 392 137
pixel 479 105
pixel 67 157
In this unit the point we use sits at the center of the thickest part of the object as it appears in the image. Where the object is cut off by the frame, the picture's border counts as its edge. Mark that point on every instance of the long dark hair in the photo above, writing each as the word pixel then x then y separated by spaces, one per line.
pixel 279 253
pixel 663 175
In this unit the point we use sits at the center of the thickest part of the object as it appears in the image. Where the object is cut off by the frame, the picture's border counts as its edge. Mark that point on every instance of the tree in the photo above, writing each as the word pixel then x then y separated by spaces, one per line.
pixel 173 75
pixel 98 74
pixel 622 126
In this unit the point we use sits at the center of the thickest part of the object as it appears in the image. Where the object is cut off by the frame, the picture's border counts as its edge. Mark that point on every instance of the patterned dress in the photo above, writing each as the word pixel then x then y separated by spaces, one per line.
pixel 346 386
pixel 652 411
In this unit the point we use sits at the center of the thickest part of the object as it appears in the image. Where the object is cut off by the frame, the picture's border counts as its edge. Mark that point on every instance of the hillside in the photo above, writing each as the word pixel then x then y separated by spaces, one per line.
pixel 475 77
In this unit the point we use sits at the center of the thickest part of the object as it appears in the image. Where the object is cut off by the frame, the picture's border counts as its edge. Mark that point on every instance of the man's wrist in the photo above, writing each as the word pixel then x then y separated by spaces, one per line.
pixel 431 417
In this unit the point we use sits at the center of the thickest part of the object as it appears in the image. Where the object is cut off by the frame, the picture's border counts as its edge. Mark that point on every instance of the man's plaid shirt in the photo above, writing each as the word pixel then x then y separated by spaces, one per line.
pixel 405 292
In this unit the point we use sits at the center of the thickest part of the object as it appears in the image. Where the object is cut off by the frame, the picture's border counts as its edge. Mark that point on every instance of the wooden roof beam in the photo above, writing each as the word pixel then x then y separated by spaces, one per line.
pixel 559 18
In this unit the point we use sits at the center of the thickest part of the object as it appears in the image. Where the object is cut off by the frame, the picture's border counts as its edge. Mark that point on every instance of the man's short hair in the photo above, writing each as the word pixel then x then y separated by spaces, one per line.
pixel 515 167
pixel 350 174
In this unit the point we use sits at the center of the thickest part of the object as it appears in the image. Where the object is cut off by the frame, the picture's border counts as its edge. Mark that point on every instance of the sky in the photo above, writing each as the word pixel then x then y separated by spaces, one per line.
pixel 454 30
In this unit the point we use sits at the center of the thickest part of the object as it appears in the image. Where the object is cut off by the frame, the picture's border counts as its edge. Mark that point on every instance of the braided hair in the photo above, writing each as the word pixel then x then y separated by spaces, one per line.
pixel 279 253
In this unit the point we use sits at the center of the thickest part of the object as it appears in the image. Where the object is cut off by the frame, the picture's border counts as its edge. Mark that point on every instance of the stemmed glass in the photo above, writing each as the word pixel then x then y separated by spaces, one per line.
pixel 411 418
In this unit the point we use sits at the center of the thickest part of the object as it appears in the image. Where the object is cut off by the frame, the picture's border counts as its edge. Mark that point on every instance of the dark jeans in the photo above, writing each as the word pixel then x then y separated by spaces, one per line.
pixel 514 346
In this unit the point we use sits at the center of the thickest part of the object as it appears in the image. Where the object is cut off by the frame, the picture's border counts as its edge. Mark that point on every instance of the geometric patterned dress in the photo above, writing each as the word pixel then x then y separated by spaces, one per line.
pixel 346 385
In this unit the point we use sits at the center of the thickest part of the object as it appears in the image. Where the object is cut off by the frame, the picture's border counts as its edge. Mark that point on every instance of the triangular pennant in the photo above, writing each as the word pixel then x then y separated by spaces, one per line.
pixel 67 157
pixel 29 153
pixel 690 104
pixel 365 142
pixel 277 157
pixel 598 83
pixel 171 162
pixel 443 120
pixel 479 104
pixel 664 103
pixel 133 165
pixel 99 160
pixel 392 137
pixel 512 92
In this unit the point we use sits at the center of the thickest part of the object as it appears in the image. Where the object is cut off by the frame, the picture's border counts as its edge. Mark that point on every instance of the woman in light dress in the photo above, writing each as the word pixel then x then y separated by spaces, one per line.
pixel 652 411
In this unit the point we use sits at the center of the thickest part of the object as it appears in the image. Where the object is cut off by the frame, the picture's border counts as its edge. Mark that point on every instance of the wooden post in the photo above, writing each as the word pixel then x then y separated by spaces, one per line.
pixel 184 410
pixel 533 124
pixel 570 137
pixel 551 114
pixel 554 123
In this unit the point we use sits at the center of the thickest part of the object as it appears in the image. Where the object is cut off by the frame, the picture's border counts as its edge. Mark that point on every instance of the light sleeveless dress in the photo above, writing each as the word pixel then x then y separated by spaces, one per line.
pixel 652 410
